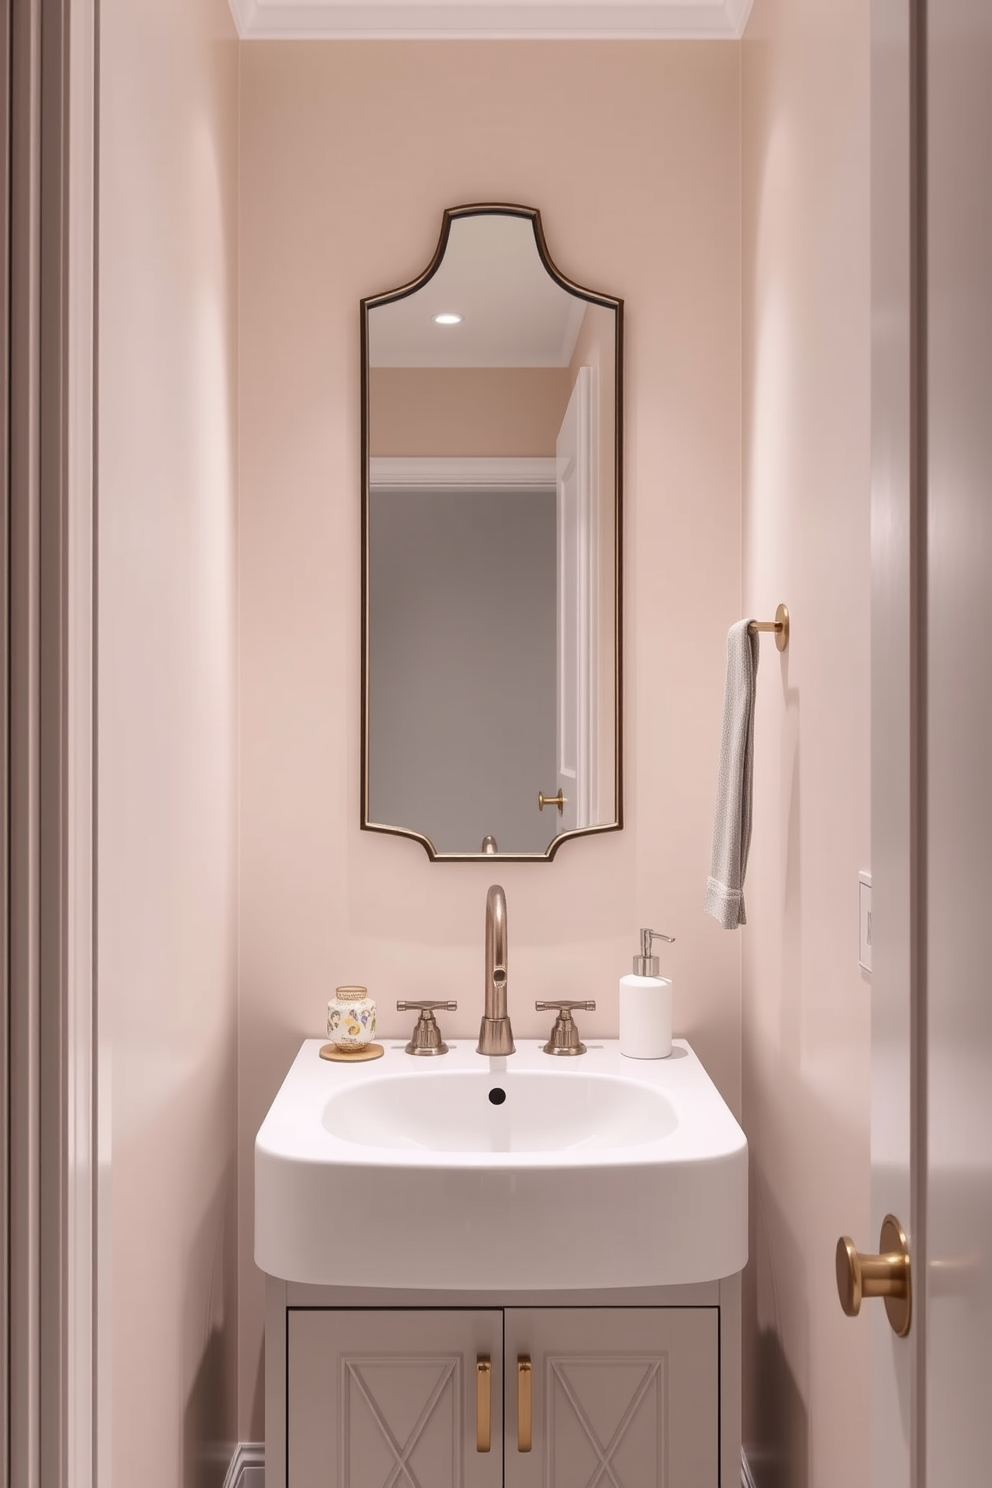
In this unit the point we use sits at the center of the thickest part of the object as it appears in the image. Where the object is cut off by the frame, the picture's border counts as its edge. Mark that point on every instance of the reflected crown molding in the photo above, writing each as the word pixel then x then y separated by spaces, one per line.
pixel 303 20
pixel 461 472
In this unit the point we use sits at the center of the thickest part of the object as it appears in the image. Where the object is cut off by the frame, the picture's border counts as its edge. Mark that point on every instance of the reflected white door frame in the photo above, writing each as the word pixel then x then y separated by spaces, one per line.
pixel 577 469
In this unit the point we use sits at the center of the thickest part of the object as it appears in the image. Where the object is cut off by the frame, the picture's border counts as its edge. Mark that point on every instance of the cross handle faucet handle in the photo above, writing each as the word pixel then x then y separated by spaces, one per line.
pixel 426 1037
pixel 565 1036
pixel 425 1007
pixel 564 1006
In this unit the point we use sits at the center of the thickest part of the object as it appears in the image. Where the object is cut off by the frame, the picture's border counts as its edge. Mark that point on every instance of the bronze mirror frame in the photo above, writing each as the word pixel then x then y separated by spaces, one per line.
pixel 531 214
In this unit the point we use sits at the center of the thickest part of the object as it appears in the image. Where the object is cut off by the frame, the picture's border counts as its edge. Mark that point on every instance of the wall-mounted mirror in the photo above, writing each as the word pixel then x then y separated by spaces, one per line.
pixel 491 436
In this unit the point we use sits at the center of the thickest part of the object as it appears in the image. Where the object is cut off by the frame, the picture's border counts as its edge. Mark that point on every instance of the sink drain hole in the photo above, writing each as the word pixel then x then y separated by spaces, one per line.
pixel 497 1096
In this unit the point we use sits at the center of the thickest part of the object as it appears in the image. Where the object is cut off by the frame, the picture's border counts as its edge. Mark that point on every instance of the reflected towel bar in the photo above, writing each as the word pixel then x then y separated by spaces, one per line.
pixel 780 625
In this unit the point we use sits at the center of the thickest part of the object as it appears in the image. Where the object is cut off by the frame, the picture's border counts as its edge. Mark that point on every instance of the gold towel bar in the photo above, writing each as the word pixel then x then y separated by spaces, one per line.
pixel 780 625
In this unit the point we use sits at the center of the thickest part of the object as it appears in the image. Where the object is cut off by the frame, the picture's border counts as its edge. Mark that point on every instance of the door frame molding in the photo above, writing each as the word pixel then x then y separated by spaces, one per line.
pixel 898 684
pixel 52 1390
pixel 87 1465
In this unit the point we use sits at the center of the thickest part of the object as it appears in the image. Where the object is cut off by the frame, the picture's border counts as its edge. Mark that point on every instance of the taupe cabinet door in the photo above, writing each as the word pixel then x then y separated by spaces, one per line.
pixel 381 1399
pixel 621 1397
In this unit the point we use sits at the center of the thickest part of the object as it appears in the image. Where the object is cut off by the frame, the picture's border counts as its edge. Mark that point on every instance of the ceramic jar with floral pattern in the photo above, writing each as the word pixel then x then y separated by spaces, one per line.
pixel 351 1019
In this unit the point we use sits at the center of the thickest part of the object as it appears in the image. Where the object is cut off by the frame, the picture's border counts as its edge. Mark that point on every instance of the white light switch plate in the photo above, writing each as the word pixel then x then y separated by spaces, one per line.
pixel 864 905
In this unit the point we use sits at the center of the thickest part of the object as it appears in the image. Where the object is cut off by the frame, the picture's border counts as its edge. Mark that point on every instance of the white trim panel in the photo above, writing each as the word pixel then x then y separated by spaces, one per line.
pixel 262 20
pixel 481 473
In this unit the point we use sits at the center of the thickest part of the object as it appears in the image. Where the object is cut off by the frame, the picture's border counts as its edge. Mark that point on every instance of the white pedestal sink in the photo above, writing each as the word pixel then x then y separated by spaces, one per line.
pixel 525 1172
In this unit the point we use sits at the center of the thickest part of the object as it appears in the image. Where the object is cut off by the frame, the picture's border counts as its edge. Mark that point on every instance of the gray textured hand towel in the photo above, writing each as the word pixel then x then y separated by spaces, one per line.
pixel 732 827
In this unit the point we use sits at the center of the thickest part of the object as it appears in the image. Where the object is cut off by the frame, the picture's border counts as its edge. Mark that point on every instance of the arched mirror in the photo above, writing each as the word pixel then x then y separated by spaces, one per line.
pixel 491 437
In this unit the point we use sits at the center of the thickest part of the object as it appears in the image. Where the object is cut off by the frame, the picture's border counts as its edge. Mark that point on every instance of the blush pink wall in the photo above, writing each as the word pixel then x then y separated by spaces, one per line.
pixel 513 411
pixel 167 931
pixel 349 154
pixel 806 1004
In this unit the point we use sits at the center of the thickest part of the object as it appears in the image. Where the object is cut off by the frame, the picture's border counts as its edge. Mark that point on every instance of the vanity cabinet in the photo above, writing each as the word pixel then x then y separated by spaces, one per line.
pixel 408 1396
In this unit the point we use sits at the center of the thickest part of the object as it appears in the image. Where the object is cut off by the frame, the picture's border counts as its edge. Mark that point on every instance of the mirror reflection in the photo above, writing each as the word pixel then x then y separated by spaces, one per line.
pixel 491 439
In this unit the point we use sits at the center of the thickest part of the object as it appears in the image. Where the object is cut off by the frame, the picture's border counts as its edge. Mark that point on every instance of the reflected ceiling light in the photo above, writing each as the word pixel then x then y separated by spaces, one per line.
pixel 447 318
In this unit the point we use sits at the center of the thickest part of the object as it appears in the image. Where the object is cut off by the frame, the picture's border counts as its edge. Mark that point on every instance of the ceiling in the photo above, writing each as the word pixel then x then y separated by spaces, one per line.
pixel 515 315
pixel 450 19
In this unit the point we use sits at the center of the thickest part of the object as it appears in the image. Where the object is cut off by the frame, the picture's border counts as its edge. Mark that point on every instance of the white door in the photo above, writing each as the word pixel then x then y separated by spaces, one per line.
pixel 578 588
pixel 932 738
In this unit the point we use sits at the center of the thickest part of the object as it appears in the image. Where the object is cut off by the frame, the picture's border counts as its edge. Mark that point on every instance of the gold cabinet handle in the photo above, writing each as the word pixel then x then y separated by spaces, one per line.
pixel 558 800
pixel 525 1404
pixel 483 1403
pixel 885 1275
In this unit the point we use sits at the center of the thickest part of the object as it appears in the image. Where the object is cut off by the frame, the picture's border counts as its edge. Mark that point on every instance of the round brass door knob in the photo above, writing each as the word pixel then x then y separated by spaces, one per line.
pixel 886 1275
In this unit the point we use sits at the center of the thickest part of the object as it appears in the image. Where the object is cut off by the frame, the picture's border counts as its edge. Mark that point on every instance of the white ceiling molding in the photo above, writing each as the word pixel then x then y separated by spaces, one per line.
pixel 312 20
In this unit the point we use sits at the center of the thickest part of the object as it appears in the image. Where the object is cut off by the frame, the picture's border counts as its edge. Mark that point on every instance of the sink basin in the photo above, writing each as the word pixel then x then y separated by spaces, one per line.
pixel 475 1111
pixel 521 1173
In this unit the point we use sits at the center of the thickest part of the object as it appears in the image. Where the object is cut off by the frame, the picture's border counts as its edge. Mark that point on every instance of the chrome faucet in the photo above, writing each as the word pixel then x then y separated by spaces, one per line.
pixel 495 1035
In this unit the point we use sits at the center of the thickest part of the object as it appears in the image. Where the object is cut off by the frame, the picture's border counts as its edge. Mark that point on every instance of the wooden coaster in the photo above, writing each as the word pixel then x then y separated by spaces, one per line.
pixel 352 1056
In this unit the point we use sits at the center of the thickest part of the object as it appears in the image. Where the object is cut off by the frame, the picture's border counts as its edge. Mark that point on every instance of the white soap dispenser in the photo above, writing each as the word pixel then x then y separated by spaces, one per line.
pixel 646 1005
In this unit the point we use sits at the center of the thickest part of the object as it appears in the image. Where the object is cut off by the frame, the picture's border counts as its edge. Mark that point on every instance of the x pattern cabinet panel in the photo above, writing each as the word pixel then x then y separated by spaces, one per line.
pixel 606 1419
pixel 622 1397
pixel 388 1399
pixel 595 1398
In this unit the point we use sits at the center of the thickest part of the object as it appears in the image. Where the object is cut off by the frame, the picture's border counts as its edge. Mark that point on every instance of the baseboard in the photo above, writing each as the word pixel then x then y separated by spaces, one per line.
pixel 247 1469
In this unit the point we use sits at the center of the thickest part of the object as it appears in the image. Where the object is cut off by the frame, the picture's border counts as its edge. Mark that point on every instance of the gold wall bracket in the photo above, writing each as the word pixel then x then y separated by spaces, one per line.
pixel 886 1275
pixel 780 626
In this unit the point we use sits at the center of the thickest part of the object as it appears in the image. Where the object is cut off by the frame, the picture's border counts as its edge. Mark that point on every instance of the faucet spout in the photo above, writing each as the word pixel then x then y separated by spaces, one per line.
pixel 495 1035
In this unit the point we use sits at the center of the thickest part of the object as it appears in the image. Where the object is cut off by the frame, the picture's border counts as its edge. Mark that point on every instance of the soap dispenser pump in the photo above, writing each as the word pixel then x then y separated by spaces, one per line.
pixel 646 1005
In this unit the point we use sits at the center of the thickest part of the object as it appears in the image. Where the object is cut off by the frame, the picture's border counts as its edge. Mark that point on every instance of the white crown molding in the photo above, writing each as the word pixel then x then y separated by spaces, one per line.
pixel 247 1466
pixel 310 20
pixel 738 12
pixel 243 12
pixel 465 473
